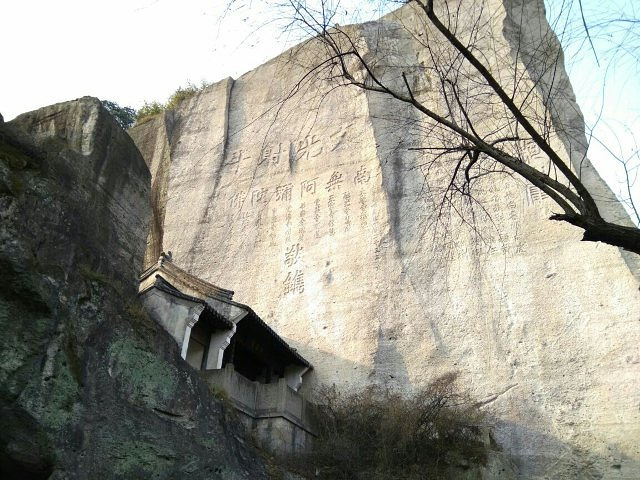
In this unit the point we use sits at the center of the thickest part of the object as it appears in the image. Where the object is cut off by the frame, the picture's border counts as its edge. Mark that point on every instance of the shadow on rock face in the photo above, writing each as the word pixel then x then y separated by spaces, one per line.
pixel 89 386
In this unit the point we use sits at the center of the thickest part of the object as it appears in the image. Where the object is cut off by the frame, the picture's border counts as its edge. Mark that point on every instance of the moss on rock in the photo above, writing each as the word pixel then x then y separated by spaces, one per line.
pixel 89 386
pixel 142 374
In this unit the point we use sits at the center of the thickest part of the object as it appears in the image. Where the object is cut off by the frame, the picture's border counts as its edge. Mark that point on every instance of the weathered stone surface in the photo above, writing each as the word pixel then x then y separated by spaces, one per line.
pixel 315 211
pixel 89 386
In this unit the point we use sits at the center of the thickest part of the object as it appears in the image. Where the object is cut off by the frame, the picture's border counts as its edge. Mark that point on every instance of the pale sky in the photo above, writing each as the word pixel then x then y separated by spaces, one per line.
pixel 127 51
pixel 130 51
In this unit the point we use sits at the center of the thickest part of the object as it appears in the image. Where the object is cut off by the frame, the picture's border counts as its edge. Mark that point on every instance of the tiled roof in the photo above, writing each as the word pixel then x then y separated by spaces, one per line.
pixel 219 294
pixel 163 285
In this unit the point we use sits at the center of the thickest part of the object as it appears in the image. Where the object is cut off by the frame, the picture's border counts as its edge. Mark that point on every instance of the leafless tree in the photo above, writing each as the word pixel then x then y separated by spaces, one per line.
pixel 486 111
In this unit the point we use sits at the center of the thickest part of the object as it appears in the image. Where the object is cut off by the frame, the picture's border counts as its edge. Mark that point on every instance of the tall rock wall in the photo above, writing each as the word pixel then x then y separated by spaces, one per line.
pixel 315 206
pixel 89 386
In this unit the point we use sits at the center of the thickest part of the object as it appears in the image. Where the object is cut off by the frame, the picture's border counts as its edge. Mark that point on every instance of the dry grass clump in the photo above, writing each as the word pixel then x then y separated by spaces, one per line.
pixel 381 434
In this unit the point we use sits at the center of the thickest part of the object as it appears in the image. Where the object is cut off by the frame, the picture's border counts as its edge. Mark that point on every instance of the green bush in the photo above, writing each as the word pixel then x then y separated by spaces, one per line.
pixel 381 434
pixel 148 110
pixel 125 116
pixel 182 93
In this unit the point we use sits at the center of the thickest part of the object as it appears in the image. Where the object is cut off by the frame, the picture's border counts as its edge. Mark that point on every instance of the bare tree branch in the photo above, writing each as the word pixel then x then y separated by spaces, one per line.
pixel 470 140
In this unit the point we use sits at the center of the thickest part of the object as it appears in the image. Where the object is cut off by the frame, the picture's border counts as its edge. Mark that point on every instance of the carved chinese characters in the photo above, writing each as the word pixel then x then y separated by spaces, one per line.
pixel 308 148
pixel 291 197
pixel 294 280
pixel 324 202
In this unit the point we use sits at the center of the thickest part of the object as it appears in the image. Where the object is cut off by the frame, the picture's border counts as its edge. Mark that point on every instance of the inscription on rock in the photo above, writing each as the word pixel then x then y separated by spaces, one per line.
pixel 308 187
pixel 294 280
pixel 333 189
pixel 309 147
pixel 271 154
pixel 285 203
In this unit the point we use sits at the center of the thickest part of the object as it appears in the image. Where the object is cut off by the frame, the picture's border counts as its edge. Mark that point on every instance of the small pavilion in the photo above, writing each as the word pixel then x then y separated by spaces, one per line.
pixel 234 349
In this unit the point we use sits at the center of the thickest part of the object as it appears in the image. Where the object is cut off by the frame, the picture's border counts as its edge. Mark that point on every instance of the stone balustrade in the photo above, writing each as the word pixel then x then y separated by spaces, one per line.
pixel 281 418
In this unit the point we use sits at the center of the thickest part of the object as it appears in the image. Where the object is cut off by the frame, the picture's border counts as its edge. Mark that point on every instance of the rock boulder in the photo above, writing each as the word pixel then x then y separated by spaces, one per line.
pixel 89 386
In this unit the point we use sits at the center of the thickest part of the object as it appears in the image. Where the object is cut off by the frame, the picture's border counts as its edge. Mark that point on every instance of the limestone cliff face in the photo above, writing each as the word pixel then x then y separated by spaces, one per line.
pixel 317 212
pixel 89 386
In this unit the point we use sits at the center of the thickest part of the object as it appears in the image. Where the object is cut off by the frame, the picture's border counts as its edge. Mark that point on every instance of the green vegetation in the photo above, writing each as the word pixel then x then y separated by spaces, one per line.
pixel 125 116
pixel 147 111
pixel 381 434
pixel 182 93
pixel 150 109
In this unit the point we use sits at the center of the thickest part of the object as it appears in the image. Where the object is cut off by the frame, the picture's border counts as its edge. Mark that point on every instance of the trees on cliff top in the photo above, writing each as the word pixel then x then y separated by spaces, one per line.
pixel 490 108
pixel 125 116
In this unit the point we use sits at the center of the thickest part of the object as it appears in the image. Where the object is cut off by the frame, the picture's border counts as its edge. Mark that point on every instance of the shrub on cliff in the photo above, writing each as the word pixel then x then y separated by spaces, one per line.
pixel 150 109
pixel 125 116
pixel 182 93
pixel 381 434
